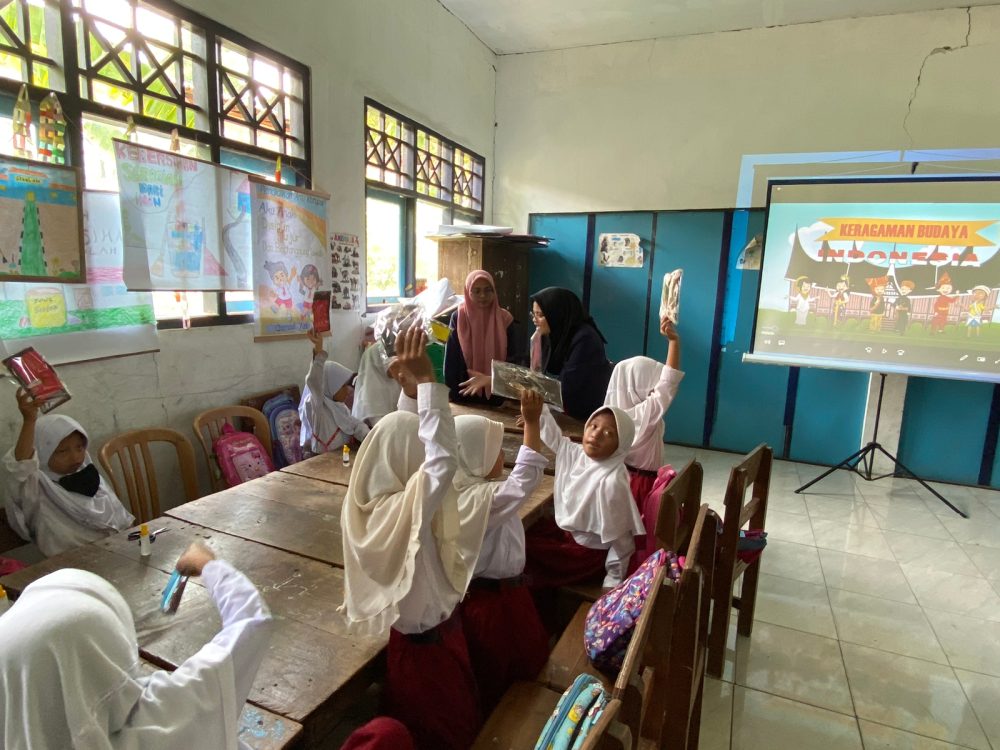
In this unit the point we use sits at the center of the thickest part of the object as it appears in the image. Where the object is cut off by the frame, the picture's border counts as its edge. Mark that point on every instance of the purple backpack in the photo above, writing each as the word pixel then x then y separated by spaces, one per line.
pixel 612 618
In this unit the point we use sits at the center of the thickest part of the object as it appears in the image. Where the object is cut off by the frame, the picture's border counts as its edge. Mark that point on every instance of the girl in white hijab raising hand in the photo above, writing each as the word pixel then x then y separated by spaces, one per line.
pixel 411 542
pixel 507 641
pixel 70 674
pixel 596 520
pixel 56 498
pixel 325 411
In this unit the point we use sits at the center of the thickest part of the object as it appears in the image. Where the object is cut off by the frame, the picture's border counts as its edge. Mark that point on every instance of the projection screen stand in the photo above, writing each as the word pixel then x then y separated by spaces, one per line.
pixel 861 461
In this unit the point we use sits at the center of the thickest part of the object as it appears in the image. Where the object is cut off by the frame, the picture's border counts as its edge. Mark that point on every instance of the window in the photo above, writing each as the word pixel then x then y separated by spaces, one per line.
pixel 417 180
pixel 230 100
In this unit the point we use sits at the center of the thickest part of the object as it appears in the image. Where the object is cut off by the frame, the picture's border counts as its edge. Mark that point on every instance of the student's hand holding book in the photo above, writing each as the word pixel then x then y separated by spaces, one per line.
pixel 411 355
pixel 194 559
pixel 317 341
pixel 27 406
pixel 531 414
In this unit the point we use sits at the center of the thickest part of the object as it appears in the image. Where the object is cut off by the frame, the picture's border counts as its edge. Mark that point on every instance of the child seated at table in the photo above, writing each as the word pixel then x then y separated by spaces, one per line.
pixel 70 671
pixel 596 520
pixel 327 423
pixel 506 638
pixel 56 498
pixel 411 542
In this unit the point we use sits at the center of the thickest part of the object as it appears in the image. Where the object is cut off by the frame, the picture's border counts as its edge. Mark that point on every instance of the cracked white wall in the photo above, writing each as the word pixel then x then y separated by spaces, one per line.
pixel 662 124
pixel 414 57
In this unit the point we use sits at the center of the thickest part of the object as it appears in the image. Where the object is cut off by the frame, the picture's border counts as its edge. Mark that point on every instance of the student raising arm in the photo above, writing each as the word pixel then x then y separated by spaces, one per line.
pixel 327 422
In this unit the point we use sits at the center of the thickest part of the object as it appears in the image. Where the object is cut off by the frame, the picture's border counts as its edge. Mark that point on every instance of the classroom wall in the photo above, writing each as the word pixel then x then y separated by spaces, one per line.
pixel 663 124
pixel 414 57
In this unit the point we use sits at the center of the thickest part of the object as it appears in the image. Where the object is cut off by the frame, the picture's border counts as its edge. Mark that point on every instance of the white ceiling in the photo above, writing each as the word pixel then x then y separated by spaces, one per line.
pixel 512 26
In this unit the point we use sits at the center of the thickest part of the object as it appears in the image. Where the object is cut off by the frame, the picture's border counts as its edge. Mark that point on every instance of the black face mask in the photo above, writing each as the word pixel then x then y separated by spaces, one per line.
pixel 86 481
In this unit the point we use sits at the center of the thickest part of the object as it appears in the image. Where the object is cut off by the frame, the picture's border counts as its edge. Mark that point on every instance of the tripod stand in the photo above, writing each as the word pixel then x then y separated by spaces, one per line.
pixel 865 457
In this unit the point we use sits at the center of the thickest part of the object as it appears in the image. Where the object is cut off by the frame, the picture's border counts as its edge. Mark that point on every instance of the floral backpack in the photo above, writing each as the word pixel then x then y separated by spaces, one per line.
pixel 241 456
pixel 612 618
pixel 578 710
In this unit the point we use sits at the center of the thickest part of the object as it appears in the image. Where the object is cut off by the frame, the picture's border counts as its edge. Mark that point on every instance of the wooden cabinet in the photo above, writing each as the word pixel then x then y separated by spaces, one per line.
pixel 507 260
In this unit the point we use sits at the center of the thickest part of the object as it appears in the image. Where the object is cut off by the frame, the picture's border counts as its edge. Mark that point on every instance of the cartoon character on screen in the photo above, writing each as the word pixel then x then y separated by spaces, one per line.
pixel 803 286
pixel 977 307
pixel 876 310
pixel 309 282
pixel 903 306
pixel 943 303
pixel 840 295
pixel 282 282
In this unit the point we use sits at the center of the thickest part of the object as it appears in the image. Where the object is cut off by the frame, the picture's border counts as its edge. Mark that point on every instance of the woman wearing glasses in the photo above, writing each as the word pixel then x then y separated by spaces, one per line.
pixel 572 349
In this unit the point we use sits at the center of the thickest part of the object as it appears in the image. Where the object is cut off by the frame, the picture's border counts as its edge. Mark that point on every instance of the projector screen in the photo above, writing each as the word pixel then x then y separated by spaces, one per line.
pixel 882 275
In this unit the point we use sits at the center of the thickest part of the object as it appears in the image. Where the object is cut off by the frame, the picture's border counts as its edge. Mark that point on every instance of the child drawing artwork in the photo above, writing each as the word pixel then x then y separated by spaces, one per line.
pixel 803 286
pixel 977 307
pixel 281 280
pixel 309 282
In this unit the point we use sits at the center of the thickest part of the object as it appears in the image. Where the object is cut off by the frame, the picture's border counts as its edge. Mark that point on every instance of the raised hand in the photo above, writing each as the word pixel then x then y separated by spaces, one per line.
pixel 531 406
pixel 26 405
pixel 194 559
pixel 316 339
pixel 411 354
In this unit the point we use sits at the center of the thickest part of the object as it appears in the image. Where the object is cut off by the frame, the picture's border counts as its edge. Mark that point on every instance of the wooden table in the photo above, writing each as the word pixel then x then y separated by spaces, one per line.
pixel 508 413
pixel 512 444
pixel 313 669
pixel 326 467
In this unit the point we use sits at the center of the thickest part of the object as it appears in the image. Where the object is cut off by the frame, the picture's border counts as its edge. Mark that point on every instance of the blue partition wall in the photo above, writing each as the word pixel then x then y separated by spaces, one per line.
pixel 562 262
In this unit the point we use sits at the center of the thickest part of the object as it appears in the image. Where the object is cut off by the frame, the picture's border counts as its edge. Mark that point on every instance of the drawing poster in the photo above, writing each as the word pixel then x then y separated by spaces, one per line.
pixel 345 272
pixel 290 261
pixel 620 250
pixel 186 222
pixel 41 222
pixel 76 322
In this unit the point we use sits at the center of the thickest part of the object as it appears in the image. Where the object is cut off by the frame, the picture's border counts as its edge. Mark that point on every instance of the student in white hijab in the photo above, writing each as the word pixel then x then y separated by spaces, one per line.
pixel 506 639
pixel 596 520
pixel 376 390
pixel 70 672
pixel 55 497
pixel 327 423
pixel 411 542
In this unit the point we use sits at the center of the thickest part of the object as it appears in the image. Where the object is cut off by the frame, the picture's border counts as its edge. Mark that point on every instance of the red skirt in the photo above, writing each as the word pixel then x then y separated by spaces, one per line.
pixel 381 733
pixel 555 559
pixel 506 638
pixel 430 686
pixel 641 482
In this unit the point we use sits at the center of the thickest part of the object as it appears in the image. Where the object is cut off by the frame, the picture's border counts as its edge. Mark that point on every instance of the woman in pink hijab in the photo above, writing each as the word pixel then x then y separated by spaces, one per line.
pixel 481 331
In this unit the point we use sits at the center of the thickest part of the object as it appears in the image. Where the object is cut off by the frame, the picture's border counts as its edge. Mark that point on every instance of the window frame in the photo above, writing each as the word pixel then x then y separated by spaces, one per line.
pixel 75 106
pixel 410 196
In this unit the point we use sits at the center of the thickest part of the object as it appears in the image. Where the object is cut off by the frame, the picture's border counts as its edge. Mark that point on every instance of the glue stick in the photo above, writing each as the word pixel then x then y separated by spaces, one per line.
pixel 347 456
pixel 4 601
pixel 144 550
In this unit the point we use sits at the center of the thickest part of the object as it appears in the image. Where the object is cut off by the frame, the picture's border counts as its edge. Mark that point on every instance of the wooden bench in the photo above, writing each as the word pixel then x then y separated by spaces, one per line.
pixel 753 474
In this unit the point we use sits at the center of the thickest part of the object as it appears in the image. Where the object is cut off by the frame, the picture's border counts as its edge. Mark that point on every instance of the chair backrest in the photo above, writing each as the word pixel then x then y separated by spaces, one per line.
pixel 208 428
pixel 138 472
pixel 753 473
pixel 679 505
pixel 608 733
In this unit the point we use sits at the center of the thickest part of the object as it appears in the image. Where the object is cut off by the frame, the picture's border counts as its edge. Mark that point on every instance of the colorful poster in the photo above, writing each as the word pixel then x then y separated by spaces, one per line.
pixel 289 249
pixel 186 222
pixel 72 323
pixel 41 224
pixel 345 272
pixel 620 250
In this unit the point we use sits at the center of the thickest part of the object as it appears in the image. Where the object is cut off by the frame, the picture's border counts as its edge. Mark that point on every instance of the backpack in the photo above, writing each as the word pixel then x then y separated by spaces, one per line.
pixel 612 618
pixel 578 710
pixel 240 456
pixel 283 417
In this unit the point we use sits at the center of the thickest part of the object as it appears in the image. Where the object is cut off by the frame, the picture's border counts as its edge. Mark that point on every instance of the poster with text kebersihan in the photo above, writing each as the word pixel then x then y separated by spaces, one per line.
pixel 884 275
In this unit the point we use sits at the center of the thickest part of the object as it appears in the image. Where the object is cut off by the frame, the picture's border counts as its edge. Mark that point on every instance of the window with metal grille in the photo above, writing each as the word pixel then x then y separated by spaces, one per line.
pixel 31 43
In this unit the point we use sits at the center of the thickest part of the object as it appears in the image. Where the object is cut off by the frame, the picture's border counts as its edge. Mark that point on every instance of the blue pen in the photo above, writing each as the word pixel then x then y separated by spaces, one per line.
pixel 172 593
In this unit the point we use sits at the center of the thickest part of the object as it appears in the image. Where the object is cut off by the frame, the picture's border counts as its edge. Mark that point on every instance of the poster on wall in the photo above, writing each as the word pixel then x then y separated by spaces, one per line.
pixel 345 272
pixel 620 251
pixel 77 322
pixel 289 249
pixel 41 222
pixel 186 222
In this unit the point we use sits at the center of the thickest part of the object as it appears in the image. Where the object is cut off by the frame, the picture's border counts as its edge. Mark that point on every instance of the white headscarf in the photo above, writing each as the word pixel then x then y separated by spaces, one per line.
pixel 480 441
pixel 335 376
pixel 382 521
pixel 590 495
pixel 376 393
pixel 69 678
pixel 102 512
pixel 632 382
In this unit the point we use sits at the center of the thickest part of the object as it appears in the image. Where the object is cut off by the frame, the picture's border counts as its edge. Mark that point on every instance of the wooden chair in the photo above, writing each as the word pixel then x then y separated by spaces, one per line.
pixel 208 427
pixel 526 706
pixel 679 506
pixel 753 474
pixel 138 471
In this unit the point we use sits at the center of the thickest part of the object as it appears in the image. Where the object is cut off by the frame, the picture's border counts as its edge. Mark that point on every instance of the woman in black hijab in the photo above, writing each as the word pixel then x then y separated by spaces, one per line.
pixel 572 350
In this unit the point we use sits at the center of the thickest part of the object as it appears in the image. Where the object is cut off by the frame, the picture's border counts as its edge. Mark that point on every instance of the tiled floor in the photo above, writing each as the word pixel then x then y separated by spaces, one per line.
pixel 877 622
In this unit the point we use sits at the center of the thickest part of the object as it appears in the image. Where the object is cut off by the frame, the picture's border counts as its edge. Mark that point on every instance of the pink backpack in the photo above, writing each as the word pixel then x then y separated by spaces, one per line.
pixel 240 456
pixel 612 618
